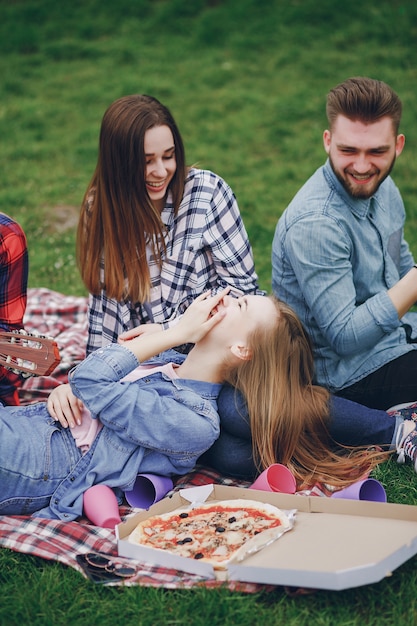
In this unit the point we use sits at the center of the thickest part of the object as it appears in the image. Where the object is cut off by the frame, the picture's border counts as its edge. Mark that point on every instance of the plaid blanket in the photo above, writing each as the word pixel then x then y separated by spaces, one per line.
pixel 64 318
pixel 62 541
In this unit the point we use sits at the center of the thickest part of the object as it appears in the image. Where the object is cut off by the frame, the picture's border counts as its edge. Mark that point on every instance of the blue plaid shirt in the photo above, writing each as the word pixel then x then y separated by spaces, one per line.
pixel 207 247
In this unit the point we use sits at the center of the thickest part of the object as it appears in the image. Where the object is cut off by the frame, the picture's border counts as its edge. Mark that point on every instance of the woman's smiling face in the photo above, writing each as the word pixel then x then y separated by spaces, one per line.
pixel 160 163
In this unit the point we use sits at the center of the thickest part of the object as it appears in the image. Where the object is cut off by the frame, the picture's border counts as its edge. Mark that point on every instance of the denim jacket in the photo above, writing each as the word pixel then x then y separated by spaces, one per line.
pixel 154 424
pixel 333 259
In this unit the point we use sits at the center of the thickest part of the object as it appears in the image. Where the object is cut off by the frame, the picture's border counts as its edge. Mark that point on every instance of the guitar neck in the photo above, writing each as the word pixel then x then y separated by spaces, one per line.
pixel 28 354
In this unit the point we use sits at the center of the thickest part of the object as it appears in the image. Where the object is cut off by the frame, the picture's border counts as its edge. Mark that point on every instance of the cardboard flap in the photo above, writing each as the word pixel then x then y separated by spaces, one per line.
pixel 197 495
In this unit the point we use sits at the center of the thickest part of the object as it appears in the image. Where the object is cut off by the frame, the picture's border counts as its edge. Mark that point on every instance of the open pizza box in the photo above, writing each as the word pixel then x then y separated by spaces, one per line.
pixel 335 544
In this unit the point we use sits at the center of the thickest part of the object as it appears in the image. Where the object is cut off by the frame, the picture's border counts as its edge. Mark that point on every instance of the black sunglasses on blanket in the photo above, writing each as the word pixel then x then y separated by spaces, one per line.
pixel 102 568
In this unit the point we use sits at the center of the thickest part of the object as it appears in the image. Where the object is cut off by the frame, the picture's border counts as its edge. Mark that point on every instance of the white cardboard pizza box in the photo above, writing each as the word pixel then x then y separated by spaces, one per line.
pixel 335 544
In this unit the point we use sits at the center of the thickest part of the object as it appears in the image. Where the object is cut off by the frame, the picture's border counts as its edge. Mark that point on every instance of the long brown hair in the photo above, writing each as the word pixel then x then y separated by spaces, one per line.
pixel 288 413
pixel 117 218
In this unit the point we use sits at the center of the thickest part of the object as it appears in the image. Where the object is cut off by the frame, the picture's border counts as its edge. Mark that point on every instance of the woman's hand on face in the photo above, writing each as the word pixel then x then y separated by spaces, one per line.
pixel 201 316
pixel 64 406
pixel 138 331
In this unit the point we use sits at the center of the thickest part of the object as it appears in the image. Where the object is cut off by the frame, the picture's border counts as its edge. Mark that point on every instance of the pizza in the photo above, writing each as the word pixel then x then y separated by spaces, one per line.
pixel 213 532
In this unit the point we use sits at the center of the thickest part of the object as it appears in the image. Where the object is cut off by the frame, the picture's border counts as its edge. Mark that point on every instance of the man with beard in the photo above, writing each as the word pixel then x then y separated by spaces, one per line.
pixel 339 255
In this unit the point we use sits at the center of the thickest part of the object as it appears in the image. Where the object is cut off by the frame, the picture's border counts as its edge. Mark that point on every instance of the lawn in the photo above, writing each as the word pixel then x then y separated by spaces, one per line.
pixel 246 81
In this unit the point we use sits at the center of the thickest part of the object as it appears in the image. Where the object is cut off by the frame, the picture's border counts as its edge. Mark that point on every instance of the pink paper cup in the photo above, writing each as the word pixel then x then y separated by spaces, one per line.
pixel 368 489
pixel 101 506
pixel 148 489
pixel 276 477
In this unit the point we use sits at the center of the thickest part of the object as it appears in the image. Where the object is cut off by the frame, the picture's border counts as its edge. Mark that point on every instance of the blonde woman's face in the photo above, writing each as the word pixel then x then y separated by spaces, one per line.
pixel 160 163
pixel 244 315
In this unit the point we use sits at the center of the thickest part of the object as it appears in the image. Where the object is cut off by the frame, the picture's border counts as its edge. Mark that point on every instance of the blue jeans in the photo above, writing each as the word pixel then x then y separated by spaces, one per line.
pixel 350 424
pixel 34 464
pixel 153 425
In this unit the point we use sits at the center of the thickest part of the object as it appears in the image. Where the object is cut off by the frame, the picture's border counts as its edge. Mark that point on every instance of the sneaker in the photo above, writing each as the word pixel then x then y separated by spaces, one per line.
pixel 408 411
pixel 406 444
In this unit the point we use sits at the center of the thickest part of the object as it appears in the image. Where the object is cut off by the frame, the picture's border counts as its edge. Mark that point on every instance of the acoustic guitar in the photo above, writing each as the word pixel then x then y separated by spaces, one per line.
pixel 28 354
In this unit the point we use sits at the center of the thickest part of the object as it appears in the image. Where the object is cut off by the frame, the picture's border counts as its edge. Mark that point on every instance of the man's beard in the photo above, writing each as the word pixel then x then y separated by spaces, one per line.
pixel 355 191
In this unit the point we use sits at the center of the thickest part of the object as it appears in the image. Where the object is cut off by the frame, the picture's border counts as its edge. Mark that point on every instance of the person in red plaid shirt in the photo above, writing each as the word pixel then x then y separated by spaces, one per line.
pixel 13 294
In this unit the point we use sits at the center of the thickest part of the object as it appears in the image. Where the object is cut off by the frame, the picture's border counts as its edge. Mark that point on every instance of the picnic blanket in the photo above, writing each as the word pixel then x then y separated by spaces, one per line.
pixel 62 541
pixel 65 319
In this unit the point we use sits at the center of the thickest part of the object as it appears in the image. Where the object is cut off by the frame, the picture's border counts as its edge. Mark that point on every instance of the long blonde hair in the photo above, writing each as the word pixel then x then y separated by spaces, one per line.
pixel 117 218
pixel 288 412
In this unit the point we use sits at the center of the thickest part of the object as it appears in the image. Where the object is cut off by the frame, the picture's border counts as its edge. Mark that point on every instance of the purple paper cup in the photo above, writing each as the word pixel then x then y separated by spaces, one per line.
pixel 148 489
pixel 277 478
pixel 368 489
pixel 101 506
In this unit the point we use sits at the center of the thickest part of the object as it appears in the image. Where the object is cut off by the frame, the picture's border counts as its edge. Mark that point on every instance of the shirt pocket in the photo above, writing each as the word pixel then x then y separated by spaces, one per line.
pixel 188 271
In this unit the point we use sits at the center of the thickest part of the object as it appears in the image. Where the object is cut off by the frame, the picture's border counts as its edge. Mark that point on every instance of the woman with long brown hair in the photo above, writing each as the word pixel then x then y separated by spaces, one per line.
pixel 153 233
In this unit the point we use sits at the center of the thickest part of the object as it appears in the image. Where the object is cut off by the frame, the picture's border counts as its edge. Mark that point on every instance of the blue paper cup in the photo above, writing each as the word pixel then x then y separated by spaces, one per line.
pixel 148 489
pixel 368 489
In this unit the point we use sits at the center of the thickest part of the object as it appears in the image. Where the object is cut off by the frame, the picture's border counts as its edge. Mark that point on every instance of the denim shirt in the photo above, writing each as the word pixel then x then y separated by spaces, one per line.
pixel 333 259
pixel 154 424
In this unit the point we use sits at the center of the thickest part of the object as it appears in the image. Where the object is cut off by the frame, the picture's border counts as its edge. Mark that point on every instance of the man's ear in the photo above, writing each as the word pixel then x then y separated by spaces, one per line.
pixel 399 145
pixel 327 137
pixel 241 352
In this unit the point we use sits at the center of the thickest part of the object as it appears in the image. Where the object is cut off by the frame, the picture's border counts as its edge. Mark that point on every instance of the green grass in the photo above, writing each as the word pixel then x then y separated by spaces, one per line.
pixel 246 81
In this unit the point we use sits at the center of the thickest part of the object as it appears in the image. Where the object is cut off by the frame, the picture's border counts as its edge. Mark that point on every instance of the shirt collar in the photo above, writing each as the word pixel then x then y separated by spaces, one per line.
pixel 358 206
pixel 167 214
